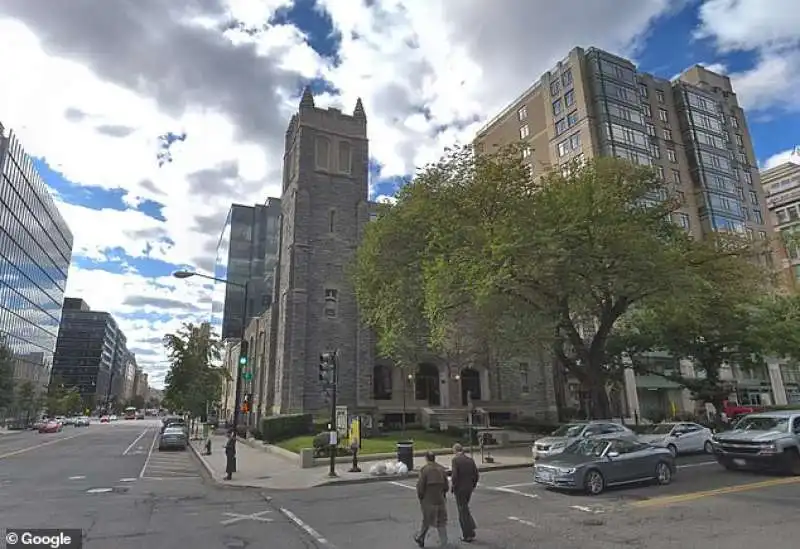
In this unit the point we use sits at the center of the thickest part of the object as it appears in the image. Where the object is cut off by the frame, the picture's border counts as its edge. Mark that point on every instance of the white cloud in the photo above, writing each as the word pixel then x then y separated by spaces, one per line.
pixel 773 33
pixel 790 155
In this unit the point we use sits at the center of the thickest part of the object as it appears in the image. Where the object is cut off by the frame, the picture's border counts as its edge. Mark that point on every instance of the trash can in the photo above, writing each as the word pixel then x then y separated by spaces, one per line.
pixel 405 454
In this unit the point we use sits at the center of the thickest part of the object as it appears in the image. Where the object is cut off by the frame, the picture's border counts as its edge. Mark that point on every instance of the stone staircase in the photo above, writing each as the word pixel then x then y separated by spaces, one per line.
pixel 442 418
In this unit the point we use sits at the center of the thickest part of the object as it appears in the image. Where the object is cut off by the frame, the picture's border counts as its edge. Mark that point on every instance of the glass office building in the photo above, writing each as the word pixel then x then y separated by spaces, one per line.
pixel 35 253
pixel 247 255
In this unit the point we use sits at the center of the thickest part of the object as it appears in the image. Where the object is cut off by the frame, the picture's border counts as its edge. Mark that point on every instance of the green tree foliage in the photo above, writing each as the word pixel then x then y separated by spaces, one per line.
pixel 28 400
pixel 562 258
pixel 193 379
pixel 63 400
pixel 6 378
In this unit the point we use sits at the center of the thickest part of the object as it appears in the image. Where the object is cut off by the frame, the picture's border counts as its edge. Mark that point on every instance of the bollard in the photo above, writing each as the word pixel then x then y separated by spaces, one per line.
pixel 208 446
pixel 354 448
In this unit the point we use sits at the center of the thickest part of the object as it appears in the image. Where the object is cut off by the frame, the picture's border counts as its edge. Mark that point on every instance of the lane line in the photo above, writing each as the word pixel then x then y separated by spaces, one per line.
pixel 149 453
pixel 586 509
pixel 700 464
pixel 515 492
pixel 401 485
pixel 522 521
pixel 132 444
pixel 77 477
pixel 305 527
pixel 520 485
pixel 692 496
pixel 41 445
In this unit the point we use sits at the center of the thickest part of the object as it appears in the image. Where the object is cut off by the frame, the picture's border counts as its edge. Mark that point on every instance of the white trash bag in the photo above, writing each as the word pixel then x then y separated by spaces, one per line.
pixel 379 469
pixel 401 469
pixel 390 468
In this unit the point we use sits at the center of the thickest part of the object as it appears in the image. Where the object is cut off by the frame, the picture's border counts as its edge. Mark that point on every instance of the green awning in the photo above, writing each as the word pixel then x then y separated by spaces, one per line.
pixel 652 381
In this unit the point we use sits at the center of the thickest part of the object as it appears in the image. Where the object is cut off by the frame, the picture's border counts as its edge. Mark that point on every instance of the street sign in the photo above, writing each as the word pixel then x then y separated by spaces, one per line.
pixel 341 421
pixel 247 376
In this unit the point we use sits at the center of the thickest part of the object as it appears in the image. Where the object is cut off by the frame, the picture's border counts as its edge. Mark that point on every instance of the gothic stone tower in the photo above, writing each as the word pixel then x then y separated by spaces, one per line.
pixel 324 211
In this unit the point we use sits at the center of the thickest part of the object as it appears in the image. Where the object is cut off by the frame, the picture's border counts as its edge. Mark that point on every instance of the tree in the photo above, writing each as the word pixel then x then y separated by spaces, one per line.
pixel 71 402
pixel 28 400
pixel 568 255
pixel 729 317
pixel 193 379
pixel 6 377
pixel 136 401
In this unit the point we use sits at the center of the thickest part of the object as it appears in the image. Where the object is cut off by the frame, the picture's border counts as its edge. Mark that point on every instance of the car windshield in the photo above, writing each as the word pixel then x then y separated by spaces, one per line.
pixel 660 429
pixel 762 423
pixel 173 431
pixel 587 447
pixel 569 430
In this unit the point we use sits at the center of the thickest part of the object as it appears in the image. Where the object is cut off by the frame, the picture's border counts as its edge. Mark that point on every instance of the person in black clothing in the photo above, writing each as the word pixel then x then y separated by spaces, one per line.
pixel 230 454
pixel 464 479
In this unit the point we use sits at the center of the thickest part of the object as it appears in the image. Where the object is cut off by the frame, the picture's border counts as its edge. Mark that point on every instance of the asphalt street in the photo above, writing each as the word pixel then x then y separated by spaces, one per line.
pixel 110 481
pixel 706 506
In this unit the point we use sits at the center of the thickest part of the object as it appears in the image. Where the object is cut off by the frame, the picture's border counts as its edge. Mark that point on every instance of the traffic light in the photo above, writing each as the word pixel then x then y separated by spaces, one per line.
pixel 246 404
pixel 244 348
pixel 327 368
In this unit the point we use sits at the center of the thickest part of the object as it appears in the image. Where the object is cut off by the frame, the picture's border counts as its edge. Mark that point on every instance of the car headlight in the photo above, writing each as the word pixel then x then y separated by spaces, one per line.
pixel 770 448
pixel 567 471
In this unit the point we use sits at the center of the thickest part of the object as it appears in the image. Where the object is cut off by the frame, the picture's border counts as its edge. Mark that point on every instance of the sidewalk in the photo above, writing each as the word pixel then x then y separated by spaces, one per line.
pixel 258 468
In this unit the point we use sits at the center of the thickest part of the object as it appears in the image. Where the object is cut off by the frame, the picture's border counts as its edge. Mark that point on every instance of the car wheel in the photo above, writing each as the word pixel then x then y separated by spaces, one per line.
pixel 594 483
pixel 728 464
pixel 673 450
pixel 663 473
pixel 708 448
pixel 792 462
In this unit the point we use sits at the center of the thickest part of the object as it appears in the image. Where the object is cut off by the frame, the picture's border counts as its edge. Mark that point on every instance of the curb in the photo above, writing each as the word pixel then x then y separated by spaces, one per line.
pixel 413 474
pixel 206 465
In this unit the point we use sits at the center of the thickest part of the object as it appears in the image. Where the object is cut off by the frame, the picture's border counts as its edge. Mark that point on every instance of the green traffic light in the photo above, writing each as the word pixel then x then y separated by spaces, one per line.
pixel 242 361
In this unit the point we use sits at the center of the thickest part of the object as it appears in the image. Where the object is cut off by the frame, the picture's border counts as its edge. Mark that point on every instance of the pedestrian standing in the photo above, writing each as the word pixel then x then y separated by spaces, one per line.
pixel 432 488
pixel 230 454
pixel 464 480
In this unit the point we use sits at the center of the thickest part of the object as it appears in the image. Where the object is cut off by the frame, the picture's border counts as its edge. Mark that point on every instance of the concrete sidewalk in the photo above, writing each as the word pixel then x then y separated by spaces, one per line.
pixel 258 468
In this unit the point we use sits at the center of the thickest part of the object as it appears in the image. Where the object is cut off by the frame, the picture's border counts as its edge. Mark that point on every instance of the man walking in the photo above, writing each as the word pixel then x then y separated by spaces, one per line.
pixel 464 479
pixel 432 487
pixel 230 455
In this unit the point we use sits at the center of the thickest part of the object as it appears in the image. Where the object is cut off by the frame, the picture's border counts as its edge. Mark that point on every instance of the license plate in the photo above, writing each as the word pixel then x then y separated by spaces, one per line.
pixel 739 462
pixel 546 476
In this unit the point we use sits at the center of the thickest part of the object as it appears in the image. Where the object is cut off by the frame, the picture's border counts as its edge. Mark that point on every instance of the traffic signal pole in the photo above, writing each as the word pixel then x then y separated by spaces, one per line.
pixel 328 375
pixel 332 468
pixel 243 349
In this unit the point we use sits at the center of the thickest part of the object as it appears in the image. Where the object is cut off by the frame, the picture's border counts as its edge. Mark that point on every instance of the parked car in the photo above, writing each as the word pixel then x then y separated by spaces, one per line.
pixel 105 419
pixel 679 438
pixel 173 422
pixel 173 438
pixel 593 464
pixel 82 421
pixel 570 432
pixel 51 426
pixel 766 440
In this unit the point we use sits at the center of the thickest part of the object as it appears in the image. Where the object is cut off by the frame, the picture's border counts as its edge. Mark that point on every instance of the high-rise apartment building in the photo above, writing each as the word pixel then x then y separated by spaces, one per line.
pixel 91 354
pixel 691 129
pixel 247 255
pixel 782 187
pixel 35 253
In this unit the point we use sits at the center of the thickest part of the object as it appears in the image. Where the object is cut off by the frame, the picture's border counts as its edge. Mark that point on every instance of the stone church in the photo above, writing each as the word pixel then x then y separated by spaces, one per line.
pixel 325 210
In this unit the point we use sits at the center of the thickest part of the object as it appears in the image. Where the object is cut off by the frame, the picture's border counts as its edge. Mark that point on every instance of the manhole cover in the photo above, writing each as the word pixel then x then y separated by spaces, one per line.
pixel 120 489
pixel 593 522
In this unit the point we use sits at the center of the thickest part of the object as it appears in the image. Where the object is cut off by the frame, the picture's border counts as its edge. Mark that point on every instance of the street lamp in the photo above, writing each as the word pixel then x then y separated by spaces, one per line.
pixel 237 399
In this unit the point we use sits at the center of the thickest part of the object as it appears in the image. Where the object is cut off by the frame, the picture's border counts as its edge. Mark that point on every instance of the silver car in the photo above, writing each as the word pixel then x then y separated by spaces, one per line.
pixel 570 432
pixel 593 464
pixel 679 438
pixel 173 438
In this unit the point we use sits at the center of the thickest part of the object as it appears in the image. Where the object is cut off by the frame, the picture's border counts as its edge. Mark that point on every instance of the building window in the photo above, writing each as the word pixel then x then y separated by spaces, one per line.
pixel 566 78
pixel 382 382
pixel 667 134
pixel 331 302
pixel 554 87
pixel 569 98
pixel 373 216
pixel 682 220
pixel 660 172
pixel 572 118
pixel 522 113
pixel 748 178
pixel 734 121
pixel 526 152
pixel 762 235
pixel 643 90
pixel 345 156
pixel 557 107
pixel 561 126
pixel 323 150
pixel 742 158
pixel 332 221
pixel 671 155
pixel 676 177
pixel 750 233
pixel 758 217
pixel 524 377
pixel 681 196
pixel 647 110
pixel 524 132
pixel 655 150
pixel 663 115
pixel 651 130
pixel 739 140
pixel 660 96
pixel 754 198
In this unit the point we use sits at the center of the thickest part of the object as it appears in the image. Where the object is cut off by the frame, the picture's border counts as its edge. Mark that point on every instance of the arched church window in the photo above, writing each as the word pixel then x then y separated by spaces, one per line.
pixel 323 147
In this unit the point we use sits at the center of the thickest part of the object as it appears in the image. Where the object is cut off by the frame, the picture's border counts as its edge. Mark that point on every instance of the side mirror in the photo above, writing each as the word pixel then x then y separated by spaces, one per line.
pixel 612 454
pixel 677 434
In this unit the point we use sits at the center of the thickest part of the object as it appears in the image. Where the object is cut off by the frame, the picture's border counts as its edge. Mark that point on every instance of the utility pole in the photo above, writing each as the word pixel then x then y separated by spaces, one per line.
pixel 328 376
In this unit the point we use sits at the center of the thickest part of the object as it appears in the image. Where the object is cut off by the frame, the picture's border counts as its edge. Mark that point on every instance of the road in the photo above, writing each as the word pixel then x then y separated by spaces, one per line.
pixel 110 481
pixel 706 506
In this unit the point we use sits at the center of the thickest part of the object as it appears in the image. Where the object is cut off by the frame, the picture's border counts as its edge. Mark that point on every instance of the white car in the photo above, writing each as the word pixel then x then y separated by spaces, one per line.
pixel 679 437
pixel 570 432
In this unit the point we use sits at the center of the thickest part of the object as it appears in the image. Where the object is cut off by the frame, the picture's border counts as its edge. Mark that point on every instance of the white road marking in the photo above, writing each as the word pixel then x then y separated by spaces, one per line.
pixel 43 444
pixel 127 480
pixel 401 485
pixel 150 453
pixel 515 492
pixel 236 517
pixel 306 528
pixel 522 521
pixel 77 477
pixel 99 490
pixel 132 444
pixel 586 509
pixel 520 485
pixel 171 478
pixel 701 464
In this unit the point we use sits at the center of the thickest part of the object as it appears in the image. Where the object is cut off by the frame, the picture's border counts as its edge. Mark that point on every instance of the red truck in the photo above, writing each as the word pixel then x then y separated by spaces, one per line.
pixel 734 410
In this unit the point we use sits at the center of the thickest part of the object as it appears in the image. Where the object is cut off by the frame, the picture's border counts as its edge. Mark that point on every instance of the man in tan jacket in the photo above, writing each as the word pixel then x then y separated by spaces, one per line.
pixel 432 487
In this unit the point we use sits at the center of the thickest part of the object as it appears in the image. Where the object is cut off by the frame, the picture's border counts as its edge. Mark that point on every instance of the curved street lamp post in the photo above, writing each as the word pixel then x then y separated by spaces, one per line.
pixel 238 397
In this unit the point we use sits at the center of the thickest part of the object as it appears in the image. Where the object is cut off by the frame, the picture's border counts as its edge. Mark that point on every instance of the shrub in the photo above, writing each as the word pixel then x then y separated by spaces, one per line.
pixel 277 428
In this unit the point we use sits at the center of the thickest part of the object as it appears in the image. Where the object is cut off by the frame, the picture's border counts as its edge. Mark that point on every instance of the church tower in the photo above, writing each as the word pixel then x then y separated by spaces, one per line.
pixel 324 213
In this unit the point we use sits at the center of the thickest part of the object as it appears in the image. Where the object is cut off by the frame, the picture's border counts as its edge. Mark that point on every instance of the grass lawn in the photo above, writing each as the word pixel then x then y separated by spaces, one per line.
pixel 423 440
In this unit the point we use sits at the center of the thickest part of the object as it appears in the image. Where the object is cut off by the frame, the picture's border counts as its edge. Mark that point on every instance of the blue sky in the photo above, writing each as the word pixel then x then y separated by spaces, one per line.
pixel 146 167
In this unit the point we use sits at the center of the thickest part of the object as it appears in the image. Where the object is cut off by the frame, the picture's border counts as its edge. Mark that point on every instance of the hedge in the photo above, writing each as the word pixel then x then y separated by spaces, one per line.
pixel 278 428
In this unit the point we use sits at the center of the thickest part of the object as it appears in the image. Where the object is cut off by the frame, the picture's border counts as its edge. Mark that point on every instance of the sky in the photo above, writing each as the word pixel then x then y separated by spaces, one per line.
pixel 148 118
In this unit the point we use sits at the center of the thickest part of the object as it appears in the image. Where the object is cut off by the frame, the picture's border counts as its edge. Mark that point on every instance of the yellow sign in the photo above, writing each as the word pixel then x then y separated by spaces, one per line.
pixel 355 432
pixel 674 408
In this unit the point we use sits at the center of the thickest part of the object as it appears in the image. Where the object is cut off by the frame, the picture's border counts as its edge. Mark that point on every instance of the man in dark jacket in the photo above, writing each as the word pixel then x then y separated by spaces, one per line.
pixel 432 487
pixel 230 454
pixel 464 480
